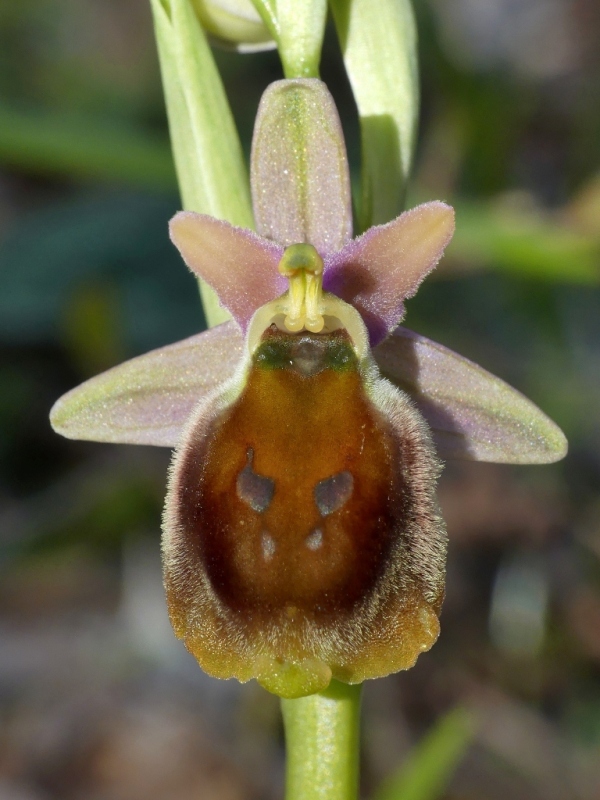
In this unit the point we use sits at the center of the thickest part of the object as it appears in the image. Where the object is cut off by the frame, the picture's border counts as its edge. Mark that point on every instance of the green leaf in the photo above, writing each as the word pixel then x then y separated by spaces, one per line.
pixel 379 45
pixel 208 155
pixel 298 27
pixel 428 769
pixel 524 243
pixel 83 147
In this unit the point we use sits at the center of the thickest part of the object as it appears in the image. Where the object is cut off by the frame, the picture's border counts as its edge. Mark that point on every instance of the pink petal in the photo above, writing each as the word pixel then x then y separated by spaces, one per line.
pixel 148 400
pixel 239 265
pixel 384 266
pixel 472 413
pixel 299 168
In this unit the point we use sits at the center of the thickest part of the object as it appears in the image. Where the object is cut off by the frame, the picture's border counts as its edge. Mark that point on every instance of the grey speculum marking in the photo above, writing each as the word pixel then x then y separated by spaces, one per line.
pixel 332 493
pixel 315 539
pixel 254 489
pixel 308 358
pixel 268 546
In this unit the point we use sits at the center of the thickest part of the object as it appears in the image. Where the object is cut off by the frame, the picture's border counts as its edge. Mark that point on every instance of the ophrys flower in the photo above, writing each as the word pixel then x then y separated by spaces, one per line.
pixel 302 538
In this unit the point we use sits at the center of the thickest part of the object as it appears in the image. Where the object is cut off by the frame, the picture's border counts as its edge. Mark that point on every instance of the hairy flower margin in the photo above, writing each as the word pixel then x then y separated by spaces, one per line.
pixel 302 539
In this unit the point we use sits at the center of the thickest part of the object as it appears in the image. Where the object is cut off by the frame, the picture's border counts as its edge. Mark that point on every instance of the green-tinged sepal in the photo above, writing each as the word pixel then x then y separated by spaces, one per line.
pixel 379 45
pixel 234 23
pixel 298 28
pixel 472 413
pixel 148 399
pixel 208 155
pixel 300 178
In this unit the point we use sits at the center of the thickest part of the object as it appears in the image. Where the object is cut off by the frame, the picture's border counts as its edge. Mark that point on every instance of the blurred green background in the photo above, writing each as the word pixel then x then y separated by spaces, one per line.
pixel 97 699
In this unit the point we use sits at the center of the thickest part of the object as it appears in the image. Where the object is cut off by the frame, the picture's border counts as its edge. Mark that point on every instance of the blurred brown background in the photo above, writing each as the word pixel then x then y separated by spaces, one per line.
pixel 97 698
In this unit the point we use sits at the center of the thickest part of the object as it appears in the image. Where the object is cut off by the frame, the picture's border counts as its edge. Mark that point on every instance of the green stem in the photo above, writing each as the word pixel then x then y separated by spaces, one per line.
pixel 322 739
pixel 298 27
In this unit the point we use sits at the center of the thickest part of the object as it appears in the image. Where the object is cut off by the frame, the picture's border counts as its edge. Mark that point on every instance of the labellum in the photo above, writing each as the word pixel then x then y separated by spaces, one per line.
pixel 302 536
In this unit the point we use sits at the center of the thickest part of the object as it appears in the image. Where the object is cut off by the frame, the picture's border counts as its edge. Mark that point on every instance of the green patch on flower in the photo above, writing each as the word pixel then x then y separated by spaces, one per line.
pixel 291 680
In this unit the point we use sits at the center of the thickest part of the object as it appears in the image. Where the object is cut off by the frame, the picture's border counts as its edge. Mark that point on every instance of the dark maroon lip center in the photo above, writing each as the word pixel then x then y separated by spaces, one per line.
pixel 294 505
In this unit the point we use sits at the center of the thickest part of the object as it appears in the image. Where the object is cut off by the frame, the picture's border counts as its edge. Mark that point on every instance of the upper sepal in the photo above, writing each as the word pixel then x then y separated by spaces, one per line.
pixel 299 168
pixel 472 413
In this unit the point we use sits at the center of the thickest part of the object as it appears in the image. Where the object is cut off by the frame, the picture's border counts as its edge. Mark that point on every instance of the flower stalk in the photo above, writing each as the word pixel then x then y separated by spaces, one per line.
pixel 322 738
pixel 298 29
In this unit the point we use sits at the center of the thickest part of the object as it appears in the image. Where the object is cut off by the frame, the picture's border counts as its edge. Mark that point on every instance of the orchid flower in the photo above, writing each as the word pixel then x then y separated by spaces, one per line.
pixel 302 539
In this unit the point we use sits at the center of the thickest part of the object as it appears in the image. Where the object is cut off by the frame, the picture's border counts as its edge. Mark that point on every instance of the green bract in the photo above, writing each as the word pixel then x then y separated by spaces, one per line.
pixel 208 155
pixel 379 45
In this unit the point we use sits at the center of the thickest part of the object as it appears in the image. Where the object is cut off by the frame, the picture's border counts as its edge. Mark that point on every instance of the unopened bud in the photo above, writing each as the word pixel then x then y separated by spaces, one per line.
pixel 234 23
